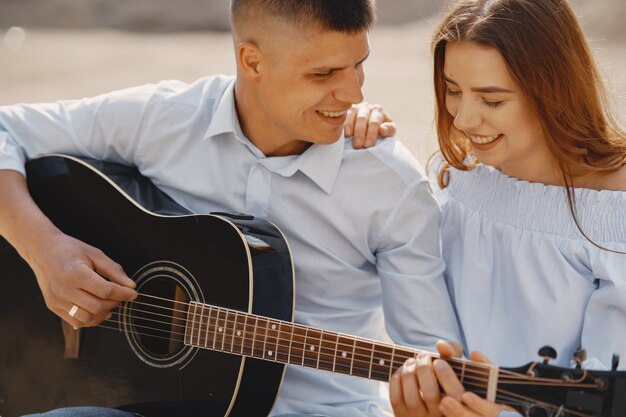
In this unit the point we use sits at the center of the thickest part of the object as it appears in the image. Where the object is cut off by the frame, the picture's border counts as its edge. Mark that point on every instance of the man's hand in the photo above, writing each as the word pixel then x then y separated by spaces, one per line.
pixel 79 283
pixel 366 122
pixel 415 389
pixel 72 273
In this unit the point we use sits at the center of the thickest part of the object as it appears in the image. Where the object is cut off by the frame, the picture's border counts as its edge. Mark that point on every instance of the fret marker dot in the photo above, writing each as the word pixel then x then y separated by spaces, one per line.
pixel 312 348
pixel 238 333
pixel 269 353
pixel 220 330
pixel 344 355
pixel 382 361
pixel 273 327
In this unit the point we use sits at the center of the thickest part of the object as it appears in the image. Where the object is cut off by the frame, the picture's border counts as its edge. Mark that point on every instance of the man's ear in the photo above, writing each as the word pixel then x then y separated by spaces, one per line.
pixel 250 58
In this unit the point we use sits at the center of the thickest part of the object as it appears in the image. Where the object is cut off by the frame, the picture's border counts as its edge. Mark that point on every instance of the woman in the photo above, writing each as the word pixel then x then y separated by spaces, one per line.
pixel 533 189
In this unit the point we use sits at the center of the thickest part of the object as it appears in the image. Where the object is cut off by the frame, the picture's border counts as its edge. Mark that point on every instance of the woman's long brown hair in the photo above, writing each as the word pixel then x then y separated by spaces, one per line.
pixel 546 53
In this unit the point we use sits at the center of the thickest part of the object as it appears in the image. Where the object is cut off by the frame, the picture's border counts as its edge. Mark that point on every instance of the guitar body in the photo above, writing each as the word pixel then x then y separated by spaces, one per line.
pixel 136 363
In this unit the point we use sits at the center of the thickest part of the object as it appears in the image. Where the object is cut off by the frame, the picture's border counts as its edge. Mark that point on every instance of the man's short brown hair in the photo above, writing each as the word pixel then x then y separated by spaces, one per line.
pixel 346 16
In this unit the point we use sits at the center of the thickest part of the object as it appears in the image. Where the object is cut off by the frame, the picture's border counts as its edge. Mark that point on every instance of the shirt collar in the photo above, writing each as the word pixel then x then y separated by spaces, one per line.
pixel 319 162
pixel 224 118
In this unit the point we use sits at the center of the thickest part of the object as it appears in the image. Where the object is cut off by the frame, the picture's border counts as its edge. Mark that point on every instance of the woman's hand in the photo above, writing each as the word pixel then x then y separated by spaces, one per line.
pixel 366 122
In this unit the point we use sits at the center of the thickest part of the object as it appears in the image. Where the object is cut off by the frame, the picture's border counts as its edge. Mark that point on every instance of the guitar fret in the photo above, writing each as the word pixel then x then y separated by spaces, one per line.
pixel 290 345
pixel 319 349
pixel 196 325
pixel 247 349
pixel 188 327
pixel 208 325
pixel 225 334
pixel 233 332
pixel 462 378
pixel 272 336
pixel 282 352
pixel 371 362
pixel 299 339
pixel 308 357
pixel 343 357
pixel 352 357
pixel 335 354
pixel 392 364
pixel 265 323
pixel 220 330
pixel 243 332
pixel 362 359
pixel 382 362
pixel 328 351
pixel 215 324
pixel 254 331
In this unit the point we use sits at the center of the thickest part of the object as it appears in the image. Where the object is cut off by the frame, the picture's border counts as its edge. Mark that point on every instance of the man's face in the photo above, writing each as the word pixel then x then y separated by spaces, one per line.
pixel 309 78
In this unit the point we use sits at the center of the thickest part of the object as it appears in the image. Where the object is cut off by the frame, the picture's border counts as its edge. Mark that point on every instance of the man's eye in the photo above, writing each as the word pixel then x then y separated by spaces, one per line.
pixel 323 74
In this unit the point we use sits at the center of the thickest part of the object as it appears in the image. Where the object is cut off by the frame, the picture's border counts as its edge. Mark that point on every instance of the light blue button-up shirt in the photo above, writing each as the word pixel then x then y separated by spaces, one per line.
pixel 362 224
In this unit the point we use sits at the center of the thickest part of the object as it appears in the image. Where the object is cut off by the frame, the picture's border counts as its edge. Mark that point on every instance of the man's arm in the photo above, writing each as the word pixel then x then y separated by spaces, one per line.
pixel 69 272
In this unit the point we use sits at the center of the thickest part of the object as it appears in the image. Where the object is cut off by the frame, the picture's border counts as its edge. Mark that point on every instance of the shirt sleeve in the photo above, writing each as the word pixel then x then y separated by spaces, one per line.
pixel 605 317
pixel 108 126
pixel 418 309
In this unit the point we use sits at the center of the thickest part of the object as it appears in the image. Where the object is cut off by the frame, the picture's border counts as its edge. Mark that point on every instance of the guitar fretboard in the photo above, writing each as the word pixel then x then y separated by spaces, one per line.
pixel 249 335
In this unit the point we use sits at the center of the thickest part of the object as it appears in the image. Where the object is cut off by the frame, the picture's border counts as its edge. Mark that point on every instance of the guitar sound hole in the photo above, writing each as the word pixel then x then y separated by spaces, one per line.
pixel 155 322
pixel 160 317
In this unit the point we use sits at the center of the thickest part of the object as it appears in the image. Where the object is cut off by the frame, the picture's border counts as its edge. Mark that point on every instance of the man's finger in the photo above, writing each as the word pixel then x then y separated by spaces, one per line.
pixel 110 269
pixel 449 349
pixel 99 287
pixel 428 384
pixel 479 357
pixel 480 406
pixel 411 389
pixel 396 397
pixel 448 379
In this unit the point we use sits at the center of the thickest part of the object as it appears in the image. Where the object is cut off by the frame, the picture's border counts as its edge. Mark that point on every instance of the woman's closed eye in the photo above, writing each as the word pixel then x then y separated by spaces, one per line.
pixel 491 103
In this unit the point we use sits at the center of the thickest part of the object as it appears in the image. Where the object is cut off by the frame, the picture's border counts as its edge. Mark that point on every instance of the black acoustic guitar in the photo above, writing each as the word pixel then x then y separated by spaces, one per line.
pixel 212 330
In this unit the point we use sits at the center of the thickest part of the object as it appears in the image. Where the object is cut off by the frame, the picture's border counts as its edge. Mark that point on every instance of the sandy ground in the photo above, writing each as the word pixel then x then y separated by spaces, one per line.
pixel 59 64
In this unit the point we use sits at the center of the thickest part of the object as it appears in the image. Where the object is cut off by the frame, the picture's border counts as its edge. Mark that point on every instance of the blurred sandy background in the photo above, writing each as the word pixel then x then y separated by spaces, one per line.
pixel 77 48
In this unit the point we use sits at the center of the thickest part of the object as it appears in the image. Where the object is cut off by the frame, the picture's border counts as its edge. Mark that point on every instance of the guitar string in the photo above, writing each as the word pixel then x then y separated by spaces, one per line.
pixel 502 397
pixel 522 399
pixel 504 374
pixel 269 320
pixel 513 376
pixel 294 325
pixel 294 353
pixel 364 359
pixel 360 353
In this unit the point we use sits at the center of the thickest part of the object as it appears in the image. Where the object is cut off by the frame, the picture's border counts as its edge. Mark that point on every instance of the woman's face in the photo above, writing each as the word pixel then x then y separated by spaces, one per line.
pixel 490 109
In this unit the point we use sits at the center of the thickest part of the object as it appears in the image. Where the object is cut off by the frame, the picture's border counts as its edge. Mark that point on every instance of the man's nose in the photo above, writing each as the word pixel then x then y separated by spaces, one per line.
pixel 349 91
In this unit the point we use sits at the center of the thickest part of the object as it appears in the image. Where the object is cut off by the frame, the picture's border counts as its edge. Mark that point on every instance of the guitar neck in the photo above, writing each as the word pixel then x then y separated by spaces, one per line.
pixel 244 334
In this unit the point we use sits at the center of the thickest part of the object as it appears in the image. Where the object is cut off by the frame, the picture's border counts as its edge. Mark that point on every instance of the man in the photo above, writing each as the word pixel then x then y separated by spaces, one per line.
pixel 362 224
